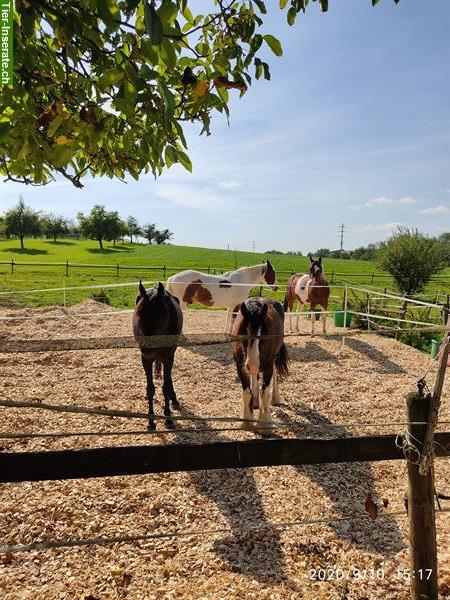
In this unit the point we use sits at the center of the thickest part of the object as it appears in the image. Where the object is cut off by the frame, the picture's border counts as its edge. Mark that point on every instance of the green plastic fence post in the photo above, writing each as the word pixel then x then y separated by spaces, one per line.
pixel 67 268
pixel 117 271
pixel 12 266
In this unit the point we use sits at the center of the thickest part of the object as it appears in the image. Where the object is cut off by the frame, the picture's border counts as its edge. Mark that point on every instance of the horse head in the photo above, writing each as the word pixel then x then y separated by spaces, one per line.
pixel 253 313
pixel 268 274
pixel 315 267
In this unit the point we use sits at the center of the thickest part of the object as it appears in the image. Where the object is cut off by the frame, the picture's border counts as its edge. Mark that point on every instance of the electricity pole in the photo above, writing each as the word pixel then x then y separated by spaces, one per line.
pixel 341 231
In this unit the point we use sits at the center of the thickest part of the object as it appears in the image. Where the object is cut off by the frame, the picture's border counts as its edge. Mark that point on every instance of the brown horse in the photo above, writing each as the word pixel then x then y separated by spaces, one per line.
pixel 260 316
pixel 311 288
pixel 157 312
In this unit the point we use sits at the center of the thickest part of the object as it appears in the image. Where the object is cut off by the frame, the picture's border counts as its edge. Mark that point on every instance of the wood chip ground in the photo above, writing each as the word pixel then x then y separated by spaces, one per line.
pixel 331 389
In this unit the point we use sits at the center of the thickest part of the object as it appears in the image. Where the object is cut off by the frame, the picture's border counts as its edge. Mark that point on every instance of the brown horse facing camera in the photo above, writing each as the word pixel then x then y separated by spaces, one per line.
pixel 259 317
pixel 157 312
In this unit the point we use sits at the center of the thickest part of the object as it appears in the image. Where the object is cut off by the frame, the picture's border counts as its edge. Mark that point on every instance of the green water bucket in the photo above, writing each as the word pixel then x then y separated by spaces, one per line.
pixel 434 348
pixel 339 318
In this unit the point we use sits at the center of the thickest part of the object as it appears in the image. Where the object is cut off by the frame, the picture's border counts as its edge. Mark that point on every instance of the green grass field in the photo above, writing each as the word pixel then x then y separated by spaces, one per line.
pixel 174 258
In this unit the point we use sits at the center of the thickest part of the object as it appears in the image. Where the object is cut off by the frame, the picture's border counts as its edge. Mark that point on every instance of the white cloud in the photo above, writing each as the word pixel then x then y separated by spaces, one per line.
pixel 198 198
pixel 436 210
pixel 378 200
pixel 386 228
pixel 232 183
pixel 407 200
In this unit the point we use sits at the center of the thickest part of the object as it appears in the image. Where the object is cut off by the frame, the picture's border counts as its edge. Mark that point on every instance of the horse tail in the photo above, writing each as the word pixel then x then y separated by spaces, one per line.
pixel 281 361
pixel 158 369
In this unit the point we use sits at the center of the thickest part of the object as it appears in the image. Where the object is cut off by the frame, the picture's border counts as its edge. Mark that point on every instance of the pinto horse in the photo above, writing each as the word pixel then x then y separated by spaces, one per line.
pixel 157 312
pixel 256 317
pixel 228 290
pixel 311 288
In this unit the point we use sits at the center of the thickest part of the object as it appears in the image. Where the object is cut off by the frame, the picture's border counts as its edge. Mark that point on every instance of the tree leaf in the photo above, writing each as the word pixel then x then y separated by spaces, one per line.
pixel 153 24
pixel 4 130
pixel 185 161
pixel 273 44
pixel 261 6
pixel 170 155
pixel 283 4
pixel 110 77
pixel 54 124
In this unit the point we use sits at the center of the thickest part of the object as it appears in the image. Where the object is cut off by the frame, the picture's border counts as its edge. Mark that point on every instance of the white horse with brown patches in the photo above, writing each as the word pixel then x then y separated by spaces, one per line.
pixel 228 290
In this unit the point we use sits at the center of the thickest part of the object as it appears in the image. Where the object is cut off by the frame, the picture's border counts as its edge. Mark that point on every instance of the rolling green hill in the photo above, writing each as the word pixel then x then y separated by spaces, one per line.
pixel 174 258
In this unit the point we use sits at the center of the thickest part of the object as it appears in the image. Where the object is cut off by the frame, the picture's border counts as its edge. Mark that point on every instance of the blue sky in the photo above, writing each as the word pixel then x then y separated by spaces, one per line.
pixel 353 128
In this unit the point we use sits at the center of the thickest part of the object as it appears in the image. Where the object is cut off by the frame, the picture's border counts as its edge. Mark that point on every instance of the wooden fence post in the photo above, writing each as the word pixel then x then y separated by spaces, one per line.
pixel 67 268
pixel 422 524
pixel 12 266
pixel 164 272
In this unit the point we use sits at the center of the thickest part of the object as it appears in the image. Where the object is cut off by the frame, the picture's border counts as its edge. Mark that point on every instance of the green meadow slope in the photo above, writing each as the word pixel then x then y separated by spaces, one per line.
pixel 174 258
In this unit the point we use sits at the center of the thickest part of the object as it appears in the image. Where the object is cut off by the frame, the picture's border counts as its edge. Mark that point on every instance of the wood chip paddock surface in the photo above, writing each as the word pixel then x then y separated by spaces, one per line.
pixel 330 390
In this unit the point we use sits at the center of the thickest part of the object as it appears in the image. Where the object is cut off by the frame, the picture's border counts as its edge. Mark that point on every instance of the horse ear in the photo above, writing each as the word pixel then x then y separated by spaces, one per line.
pixel 269 264
pixel 244 311
pixel 142 291
pixel 160 291
pixel 264 309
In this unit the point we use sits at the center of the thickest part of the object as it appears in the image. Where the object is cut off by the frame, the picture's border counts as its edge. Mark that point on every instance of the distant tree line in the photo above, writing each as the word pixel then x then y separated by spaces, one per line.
pixel 375 252
pixel 21 221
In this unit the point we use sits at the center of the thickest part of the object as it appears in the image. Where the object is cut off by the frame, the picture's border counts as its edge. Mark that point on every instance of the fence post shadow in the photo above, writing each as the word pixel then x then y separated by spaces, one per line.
pixel 347 486
pixel 236 495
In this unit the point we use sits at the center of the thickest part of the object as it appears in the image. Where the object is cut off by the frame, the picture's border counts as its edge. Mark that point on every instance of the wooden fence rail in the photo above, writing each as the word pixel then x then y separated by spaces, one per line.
pixel 138 460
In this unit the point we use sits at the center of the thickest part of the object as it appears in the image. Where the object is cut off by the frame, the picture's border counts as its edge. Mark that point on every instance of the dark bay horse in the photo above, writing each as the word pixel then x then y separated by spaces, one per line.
pixel 309 288
pixel 157 312
pixel 260 316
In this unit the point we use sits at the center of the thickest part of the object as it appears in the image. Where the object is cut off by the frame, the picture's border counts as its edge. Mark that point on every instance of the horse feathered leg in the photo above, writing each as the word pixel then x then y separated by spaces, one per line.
pixel 276 398
pixel 255 391
pixel 265 417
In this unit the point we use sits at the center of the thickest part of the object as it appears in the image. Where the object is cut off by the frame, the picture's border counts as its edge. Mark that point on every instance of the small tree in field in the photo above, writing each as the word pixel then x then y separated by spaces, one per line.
pixel 98 225
pixel 21 221
pixel 133 228
pixel 411 258
pixel 163 236
pixel 149 231
pixel 54 226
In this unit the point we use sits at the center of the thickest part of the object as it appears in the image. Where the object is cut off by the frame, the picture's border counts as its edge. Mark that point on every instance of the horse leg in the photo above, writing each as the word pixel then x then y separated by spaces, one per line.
pixel 148 368
pixel 313 317
pixel 229 323
pixel 276 398
pixel 247 399
pixel 265 417
pixel 168 391
pixel 255 391
pixel 300 305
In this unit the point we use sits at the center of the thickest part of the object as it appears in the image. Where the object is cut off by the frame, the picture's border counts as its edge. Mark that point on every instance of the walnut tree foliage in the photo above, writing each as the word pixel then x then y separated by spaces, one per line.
pixel 103 87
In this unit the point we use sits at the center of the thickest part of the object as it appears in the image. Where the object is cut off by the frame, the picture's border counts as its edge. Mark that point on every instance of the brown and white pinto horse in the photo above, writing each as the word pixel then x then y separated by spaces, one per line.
pixel 157 312
pixel 311 288
pixel 260 316
pixel 225 291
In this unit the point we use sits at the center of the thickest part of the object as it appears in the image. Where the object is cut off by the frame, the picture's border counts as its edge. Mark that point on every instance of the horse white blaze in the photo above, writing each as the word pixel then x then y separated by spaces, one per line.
pixel 252 360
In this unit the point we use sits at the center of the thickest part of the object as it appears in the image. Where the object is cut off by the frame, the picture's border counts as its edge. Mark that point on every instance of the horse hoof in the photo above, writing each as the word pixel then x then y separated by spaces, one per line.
pixel 170 424
pixel 176 404
pixel 247 425
pixel 151 426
